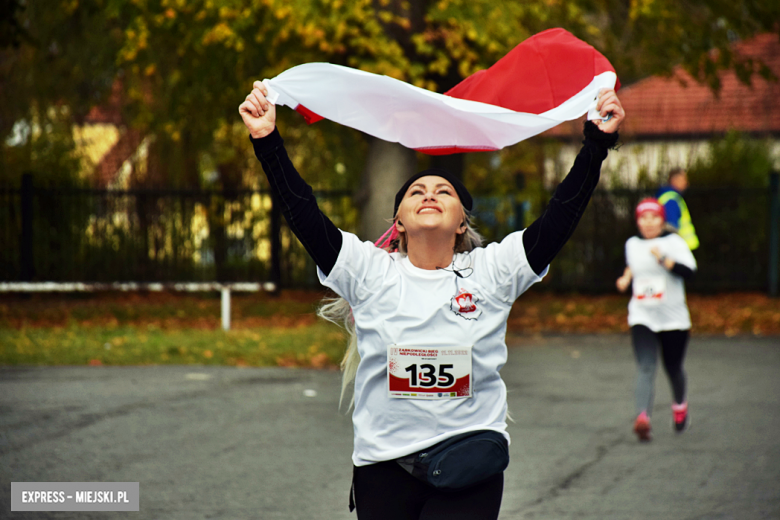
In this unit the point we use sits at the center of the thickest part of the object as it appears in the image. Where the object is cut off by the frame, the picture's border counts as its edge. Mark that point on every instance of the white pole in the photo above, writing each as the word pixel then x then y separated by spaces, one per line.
pixel 225 308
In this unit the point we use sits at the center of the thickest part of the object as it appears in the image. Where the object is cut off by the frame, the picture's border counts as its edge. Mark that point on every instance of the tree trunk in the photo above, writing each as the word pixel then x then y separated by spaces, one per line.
pixel 388 166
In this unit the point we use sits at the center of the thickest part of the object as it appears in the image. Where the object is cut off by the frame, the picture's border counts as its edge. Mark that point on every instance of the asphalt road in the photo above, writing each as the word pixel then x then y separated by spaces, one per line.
pixel 232 443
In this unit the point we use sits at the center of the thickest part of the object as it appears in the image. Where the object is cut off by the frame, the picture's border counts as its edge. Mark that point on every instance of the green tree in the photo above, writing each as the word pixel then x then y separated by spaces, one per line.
pixel 648 37
pixel 733 161
pixel 184 66
pixel 54 66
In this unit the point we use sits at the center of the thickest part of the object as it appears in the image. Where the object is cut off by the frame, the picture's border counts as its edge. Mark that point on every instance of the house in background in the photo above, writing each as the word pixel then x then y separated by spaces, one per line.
pixel 671 120
pixel 110 147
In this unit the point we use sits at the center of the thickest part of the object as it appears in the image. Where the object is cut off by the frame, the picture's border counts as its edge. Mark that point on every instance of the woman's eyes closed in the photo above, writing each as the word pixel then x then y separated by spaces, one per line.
pixel 440 191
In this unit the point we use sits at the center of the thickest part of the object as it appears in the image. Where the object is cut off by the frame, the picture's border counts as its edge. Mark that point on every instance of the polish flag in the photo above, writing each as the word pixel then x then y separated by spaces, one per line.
pixel 549 78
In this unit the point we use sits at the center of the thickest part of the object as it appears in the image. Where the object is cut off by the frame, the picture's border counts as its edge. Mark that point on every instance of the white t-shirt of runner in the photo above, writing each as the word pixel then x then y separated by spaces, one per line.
pixel 395 303
pixel 658 299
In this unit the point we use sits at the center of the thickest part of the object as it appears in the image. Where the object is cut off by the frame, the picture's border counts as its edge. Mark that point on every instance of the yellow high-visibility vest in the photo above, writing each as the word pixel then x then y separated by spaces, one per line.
pixel 686 230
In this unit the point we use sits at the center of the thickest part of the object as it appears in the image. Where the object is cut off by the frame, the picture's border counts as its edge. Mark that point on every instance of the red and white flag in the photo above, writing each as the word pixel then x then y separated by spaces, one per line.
pixel 549 78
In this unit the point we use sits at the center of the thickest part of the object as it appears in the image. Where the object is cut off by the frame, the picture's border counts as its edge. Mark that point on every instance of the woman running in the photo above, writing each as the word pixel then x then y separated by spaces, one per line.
pixel 429 310
pixel 658 263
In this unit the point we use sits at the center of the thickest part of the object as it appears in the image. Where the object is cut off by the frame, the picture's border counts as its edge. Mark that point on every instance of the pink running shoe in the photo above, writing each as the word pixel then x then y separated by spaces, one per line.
pixel 642 427
pixel 680 414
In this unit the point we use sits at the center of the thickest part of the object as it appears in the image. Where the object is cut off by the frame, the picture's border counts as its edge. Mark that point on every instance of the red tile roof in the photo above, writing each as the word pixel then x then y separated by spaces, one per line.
pixel 109 165
pixel 660 107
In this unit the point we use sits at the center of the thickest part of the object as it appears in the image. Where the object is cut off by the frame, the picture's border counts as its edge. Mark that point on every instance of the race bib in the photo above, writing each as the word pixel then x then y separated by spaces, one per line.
pixel 649 290
pixel 429 372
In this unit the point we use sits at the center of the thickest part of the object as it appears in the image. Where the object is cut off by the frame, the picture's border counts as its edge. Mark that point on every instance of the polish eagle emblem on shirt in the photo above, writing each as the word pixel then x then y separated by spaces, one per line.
pixel 464 304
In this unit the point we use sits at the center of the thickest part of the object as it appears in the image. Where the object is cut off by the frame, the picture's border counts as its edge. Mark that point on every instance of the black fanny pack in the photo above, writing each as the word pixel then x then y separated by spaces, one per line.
pixel 460 461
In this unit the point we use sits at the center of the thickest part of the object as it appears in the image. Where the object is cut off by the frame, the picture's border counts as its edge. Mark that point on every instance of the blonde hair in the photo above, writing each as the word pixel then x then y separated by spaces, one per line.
pixel 338 311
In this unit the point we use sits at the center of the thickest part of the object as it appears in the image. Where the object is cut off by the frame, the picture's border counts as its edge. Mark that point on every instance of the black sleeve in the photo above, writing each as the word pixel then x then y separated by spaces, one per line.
pixel 683 271
pixel 321 238
pixel 545 237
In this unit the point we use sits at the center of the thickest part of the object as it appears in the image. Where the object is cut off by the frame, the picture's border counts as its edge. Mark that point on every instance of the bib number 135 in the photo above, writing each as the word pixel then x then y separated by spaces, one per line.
pixel 427 375
pixel 429 372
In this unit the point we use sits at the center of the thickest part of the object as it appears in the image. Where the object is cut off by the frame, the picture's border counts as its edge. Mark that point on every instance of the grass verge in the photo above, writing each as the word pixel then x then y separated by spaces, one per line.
pixel 173 328
pixel 319 345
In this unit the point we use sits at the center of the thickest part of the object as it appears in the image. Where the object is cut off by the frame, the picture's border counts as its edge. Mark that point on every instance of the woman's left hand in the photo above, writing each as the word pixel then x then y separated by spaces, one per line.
pixel 609 103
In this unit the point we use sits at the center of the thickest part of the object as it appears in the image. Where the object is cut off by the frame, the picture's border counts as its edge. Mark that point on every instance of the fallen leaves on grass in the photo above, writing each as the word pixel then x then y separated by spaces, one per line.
pixel 729 314
pixel 313 358
pixel 147 315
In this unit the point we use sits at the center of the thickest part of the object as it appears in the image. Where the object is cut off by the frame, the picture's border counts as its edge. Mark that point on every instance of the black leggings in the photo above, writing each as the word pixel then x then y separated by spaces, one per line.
pixel 385 491
pixel 673 345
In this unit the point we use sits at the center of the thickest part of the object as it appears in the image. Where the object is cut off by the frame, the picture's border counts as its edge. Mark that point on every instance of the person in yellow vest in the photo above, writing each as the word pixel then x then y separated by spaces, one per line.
pixel 677 214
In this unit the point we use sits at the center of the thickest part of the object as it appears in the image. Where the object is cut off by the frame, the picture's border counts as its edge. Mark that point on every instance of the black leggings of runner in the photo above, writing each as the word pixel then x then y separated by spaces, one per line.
pixel 385 491
pixel 673 344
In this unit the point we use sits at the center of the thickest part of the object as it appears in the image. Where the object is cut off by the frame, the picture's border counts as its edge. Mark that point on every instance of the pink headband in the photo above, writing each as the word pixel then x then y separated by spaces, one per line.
pixel 650 204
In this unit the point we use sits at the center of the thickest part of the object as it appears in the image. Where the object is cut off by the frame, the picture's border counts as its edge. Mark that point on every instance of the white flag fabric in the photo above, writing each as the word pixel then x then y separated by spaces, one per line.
pixel 550 78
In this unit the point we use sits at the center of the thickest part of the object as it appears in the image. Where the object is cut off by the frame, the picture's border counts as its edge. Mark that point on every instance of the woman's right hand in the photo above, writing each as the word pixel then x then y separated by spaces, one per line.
pixel 258 113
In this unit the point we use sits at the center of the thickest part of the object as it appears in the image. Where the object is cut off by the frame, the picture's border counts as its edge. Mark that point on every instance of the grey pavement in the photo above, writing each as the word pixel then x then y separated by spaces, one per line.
pixel 236 443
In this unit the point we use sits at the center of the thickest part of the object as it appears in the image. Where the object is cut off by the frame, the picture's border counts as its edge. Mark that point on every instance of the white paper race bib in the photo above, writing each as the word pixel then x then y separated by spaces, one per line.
pixel 429 372
pixel 649 290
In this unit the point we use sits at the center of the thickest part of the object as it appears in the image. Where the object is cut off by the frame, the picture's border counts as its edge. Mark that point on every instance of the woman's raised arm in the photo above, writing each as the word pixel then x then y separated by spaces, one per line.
pixel 321 238
pixel 545 237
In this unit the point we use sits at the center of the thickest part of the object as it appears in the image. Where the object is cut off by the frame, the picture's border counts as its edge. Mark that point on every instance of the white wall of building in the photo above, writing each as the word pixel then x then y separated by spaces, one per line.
pixel 643 159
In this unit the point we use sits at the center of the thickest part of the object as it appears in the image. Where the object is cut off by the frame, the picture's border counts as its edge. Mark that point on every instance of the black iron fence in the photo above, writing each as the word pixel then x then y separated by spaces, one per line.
pixel 84 235
pixel 735 228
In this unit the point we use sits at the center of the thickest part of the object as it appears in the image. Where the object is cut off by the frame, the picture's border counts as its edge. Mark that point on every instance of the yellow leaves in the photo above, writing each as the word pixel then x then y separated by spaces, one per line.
pixel 311 34
pixel 648 9
pixel 440 65
pixel 385 16
pixel 219 33
pixel 178 4
pixel 70 6
pixel 405 23
pixel 282 12
pixel 136 40
pixel 228 13
pixel 172 131
pixel 223 34
pixel 150 70
pixel 427 84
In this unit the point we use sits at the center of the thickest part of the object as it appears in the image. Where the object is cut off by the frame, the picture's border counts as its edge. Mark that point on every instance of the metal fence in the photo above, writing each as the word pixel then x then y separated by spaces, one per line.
pixel 734 227
pixel 87 235
pixel 65 235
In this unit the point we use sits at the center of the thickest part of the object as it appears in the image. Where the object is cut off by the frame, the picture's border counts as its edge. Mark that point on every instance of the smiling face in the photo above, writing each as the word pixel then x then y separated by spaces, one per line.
pixel 650 224
pixel 431 204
